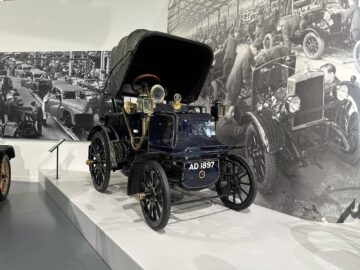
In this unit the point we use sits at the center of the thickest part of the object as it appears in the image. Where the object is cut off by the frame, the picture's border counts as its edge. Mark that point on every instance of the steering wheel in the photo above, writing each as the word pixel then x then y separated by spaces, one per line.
pixel 142 79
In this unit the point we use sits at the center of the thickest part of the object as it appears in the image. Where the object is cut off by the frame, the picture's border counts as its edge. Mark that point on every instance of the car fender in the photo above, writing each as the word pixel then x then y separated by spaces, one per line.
pixel 270 133
pixel 136 171
pixel 111 137
pixel 317 31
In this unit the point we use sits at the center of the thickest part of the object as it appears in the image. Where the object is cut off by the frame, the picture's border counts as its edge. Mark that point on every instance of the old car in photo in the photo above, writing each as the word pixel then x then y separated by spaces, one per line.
pixel 155 138
pixel 68 104
pixel 290 116
pixel 22 70
pixel 22 121
pixel 324 28
pixel 7 152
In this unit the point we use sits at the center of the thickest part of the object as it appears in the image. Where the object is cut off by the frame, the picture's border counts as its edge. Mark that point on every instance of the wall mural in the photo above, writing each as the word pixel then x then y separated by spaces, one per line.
pixel 52 95
pixel 286 73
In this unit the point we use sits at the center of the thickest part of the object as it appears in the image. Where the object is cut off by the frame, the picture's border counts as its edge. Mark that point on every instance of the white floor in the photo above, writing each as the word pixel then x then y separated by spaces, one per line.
pixel 204 235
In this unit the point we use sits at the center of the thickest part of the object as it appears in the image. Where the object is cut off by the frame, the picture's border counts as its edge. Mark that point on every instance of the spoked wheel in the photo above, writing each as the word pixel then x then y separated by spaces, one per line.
pixel 155 195
pixel 5 179
pixel 313 45
pixel 263 163
pixel 236 186
pixel 356 55
pixel 349 118
pixel 99 162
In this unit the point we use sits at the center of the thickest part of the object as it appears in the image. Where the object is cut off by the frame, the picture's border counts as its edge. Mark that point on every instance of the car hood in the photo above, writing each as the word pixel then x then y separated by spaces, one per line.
pixel 77 104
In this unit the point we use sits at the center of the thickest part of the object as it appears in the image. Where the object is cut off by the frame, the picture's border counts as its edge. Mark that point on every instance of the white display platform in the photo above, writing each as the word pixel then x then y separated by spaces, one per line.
pixel 203 235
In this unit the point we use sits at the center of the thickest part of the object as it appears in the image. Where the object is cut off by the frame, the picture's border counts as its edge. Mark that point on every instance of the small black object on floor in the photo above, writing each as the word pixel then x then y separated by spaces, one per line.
pixel 36 235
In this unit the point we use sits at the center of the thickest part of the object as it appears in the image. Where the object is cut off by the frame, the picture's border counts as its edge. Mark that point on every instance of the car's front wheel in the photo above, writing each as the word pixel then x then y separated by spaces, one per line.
pixel 313 45
pixel 236 185
pixel 262 163
pixel 155 195
pixel 350 117
pixel 356 55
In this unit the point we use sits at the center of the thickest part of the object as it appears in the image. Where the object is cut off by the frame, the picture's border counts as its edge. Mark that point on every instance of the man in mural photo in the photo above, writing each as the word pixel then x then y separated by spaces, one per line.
pixel 330 79
pixel 353 15
pixel 240 75
pixel 229 53
pixel 291 26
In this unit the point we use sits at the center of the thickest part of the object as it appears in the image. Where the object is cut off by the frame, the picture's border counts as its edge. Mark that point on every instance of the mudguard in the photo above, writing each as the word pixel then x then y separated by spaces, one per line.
pixel 8 150
pixel 136 172
pixel 111 137
pixel 317 31
pixel 271 134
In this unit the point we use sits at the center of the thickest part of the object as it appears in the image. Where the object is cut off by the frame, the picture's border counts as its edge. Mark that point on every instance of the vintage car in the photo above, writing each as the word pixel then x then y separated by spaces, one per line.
pixel 289 116
pixel 23 121
pixel 162 144
pixel 22 70
pixel 324 29
pixel 6 153
pixel 36 75
pixel 68 103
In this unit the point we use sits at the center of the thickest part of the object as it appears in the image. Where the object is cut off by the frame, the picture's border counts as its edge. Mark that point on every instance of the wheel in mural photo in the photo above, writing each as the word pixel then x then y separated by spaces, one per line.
pixel 349 116
pixel 262 163
pixel 314 46
pixel 155 195
pixel 236 186
pixel 269 41
pixel 356 55
pixel 99 161
pixel 5 179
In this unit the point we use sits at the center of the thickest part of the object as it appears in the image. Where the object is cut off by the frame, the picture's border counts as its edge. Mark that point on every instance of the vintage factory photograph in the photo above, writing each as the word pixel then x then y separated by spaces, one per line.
pixel 286 77
pixel 52 95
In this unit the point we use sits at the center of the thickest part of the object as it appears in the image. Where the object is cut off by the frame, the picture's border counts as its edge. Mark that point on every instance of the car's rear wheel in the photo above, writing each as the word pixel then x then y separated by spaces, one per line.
pixel 155 195
pixel 313 45
pixel 351 117
pixel 5 178
pixel 236 185
pixel 99 161
pixel 262 163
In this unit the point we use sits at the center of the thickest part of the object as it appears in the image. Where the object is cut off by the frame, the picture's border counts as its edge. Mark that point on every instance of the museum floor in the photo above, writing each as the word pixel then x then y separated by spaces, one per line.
pixel 36 235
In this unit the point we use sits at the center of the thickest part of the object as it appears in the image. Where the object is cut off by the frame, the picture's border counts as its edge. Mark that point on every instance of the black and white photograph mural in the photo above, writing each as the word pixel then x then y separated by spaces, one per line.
pixel 52 95
pixel 286 75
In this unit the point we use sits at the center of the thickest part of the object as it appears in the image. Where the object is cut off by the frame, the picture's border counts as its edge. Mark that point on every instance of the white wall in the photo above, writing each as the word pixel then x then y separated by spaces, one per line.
pixel 33 25
pixel 31 155
pixel 63 25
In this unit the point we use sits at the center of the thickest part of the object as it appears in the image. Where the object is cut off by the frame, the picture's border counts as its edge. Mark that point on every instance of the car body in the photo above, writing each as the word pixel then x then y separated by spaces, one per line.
pixel 157 140
pixel 68 103
pixel 290 115
pixel 22 70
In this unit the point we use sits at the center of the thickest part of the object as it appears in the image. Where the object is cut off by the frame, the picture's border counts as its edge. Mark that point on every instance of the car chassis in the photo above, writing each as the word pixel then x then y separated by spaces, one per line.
pixel 164 146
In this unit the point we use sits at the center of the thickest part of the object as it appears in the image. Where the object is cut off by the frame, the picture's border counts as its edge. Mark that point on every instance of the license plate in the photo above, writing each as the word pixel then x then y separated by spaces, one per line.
pixel 201 165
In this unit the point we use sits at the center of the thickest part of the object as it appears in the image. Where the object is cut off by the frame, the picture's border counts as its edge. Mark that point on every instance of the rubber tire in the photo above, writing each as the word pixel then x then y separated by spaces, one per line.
pixel 321 46
pixel 6 159
pixel 271 39
pixel 354 157
pixel 161 223
pixel 355 54
pixel 102 188
pixel 253 189
pixel 268 182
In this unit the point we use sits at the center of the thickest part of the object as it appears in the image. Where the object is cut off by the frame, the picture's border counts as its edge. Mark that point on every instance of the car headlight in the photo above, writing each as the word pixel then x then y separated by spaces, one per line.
pixel 342 92
pixel 293 104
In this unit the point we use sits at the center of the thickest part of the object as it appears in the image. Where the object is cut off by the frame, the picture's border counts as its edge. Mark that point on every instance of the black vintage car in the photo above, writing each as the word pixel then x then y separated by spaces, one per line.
pixel 6 153
pixel 290 115
pixel 155 138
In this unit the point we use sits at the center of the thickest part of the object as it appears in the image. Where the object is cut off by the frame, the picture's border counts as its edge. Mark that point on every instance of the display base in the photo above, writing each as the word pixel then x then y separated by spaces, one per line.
pixel 203 235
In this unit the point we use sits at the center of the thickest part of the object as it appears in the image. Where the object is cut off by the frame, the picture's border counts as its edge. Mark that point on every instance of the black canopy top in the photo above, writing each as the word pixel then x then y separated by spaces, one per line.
pixel 181 64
